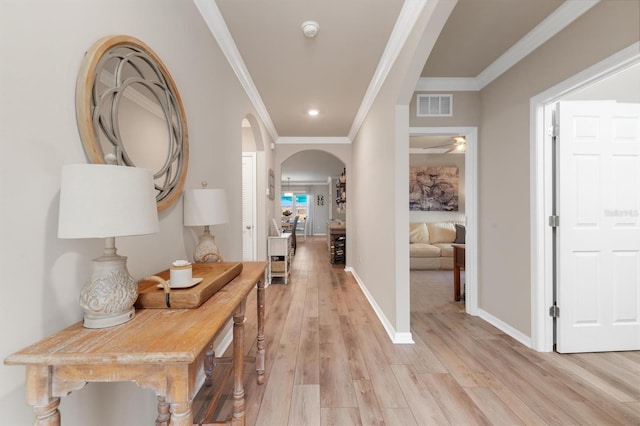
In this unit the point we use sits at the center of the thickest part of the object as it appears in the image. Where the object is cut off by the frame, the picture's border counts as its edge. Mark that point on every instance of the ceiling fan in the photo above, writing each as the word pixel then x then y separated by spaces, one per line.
pixel 459 145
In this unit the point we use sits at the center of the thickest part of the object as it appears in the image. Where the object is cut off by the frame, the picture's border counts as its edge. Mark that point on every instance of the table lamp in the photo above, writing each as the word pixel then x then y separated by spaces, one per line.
pixel 107 201
pixel 205 207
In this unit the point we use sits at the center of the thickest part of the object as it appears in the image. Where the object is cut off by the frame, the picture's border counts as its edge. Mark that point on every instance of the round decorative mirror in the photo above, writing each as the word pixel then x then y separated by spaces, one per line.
pixel 127 105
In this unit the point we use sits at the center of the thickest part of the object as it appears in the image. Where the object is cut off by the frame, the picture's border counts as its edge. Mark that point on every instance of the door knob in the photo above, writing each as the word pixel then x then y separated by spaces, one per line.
pixel 248 226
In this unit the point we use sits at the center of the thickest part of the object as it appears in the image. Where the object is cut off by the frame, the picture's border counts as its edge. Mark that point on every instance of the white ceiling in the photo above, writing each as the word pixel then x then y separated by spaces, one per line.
pixel 286 73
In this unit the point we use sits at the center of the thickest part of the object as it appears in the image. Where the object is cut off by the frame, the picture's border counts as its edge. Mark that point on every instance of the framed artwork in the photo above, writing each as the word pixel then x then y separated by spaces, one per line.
pixel 433 189
pixel 271 188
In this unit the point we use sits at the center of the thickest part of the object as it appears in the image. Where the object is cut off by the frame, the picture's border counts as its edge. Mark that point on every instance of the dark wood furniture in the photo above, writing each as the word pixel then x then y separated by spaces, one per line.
pixel 337 242
pixel 160 349
pixel 458 264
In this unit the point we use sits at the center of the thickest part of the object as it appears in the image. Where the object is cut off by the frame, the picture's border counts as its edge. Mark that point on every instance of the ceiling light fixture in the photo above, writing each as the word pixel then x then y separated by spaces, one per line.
pixel 288 193
pixel 459 145
pixel 313 112
pixel 310 28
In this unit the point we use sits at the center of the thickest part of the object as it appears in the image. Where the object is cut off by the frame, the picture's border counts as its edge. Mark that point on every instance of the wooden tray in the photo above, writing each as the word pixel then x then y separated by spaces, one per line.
pixel 214 277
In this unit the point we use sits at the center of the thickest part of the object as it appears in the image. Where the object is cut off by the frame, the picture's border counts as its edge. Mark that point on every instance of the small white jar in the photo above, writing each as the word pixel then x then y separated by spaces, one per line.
pixel 181 273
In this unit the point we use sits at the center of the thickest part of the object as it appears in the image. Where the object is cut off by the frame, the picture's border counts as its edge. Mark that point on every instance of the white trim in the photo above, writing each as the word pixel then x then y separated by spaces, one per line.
pixel 564 15
pixel 505 328
pixel 407 18
pixel 458 84
pixel 214 20
pixel 540 181
pixel 313 140
pixel 396 338
pixel 471 205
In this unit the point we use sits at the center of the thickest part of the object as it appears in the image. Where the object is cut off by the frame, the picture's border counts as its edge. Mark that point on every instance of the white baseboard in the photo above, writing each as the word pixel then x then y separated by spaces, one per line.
pixel 505 328
pixel 396 338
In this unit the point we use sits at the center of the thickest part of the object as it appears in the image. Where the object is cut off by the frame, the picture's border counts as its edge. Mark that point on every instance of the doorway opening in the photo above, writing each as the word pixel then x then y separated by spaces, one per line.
pixel 253 207
pixel 308 187
pixel 596 82
pixel 470 205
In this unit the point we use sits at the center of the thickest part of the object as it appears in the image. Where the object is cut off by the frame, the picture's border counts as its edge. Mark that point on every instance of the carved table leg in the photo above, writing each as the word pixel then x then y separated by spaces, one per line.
pixel 48 415
pixel 163 412
pixel 38 383
pixel 179 394
pixel 238 365
pixel 261 312
pixel 181 414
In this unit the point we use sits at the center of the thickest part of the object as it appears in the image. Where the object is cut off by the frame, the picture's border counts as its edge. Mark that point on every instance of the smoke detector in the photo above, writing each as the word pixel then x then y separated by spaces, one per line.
pixel 310 28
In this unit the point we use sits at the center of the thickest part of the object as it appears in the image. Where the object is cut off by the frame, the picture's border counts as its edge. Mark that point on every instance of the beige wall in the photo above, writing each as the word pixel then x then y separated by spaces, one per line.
pixel 42 46
pixel 504 156
pixel 378 183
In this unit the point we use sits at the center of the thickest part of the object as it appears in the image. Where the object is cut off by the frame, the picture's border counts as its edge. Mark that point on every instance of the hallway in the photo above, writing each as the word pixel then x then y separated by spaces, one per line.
pixel 330 362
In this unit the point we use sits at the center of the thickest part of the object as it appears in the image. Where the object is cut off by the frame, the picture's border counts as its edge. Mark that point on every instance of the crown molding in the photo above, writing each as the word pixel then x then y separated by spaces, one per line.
pixel 564 15
pixel 407 18
pixel 214 20
pixel 312 140
pixel 459 84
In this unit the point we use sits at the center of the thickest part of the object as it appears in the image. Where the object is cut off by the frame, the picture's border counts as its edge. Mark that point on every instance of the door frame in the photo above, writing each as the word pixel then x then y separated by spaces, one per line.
pixel 253 197
pixel 471 206
pixel 541 167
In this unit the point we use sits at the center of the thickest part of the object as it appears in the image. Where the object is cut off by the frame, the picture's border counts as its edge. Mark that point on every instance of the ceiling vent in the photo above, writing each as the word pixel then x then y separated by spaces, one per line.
pixel 434 106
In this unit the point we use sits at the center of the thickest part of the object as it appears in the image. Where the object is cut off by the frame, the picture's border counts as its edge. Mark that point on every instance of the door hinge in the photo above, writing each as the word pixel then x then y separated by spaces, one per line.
pixel 552 131
pixel 554 311
pixel 554 221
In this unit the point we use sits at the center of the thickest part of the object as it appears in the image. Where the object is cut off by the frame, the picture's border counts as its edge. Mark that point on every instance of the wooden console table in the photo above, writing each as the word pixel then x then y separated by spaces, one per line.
pixel 458 263
pixel 163 350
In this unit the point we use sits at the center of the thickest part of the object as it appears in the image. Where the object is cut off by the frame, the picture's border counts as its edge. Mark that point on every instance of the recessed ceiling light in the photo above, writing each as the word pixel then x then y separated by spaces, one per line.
pixel 313 112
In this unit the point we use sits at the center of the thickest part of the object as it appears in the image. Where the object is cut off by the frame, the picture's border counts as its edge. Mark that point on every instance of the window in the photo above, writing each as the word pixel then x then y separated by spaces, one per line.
pixel 302 203
pixel 296 204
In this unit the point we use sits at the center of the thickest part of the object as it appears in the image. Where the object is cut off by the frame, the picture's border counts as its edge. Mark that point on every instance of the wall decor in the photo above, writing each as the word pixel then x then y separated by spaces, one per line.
pixel 128 105
pixel 433 189
pixel 341 192
pixel 271 189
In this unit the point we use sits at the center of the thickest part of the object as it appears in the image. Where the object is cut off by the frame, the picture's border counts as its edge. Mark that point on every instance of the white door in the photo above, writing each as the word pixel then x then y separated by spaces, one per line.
pixel 598 205
pixel 249 248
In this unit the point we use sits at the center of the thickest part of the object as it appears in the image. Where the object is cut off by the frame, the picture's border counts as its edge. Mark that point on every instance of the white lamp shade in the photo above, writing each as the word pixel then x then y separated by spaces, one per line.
pixel 101 201
pixel 207 206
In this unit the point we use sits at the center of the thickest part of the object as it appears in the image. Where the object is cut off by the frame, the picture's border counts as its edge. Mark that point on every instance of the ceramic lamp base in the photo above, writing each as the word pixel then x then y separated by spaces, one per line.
pixel 107 297
pixel 206 250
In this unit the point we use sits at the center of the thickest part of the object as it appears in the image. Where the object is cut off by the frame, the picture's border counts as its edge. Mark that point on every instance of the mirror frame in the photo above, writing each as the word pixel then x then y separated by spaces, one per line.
pixel 87 112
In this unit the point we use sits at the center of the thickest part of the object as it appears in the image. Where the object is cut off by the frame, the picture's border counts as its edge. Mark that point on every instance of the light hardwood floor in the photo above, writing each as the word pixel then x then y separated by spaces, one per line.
pixel 330 362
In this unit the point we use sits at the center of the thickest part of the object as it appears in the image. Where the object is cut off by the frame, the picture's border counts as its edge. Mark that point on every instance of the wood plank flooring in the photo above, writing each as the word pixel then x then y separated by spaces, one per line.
pixel 330 362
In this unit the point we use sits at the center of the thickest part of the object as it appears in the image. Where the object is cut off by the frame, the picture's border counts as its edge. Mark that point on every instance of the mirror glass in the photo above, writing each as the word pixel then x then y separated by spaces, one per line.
pixel 127 105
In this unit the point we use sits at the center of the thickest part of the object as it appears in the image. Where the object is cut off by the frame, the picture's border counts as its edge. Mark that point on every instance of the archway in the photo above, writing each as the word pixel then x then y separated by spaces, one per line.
pixel 339 154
